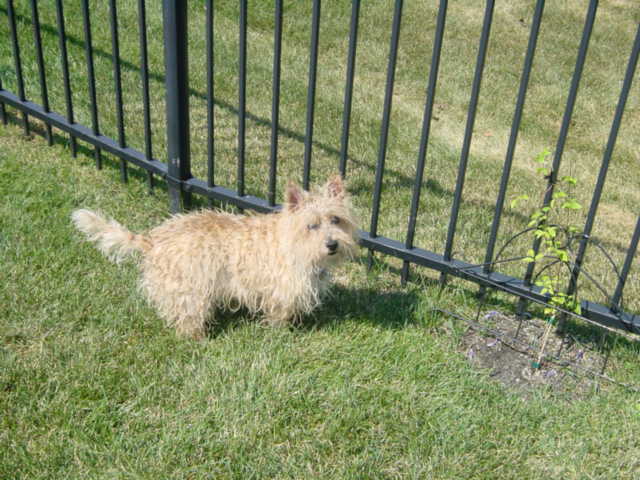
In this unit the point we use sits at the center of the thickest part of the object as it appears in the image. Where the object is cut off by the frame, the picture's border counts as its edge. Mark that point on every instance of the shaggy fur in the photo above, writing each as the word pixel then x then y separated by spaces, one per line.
pixel 273 264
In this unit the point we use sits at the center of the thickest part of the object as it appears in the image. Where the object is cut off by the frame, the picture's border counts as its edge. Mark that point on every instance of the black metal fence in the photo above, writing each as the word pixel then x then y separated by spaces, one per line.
pixel 177 172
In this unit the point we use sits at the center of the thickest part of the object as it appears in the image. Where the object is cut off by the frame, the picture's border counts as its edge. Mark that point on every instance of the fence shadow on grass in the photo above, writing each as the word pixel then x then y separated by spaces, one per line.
pixel 398 178
pixel 160 78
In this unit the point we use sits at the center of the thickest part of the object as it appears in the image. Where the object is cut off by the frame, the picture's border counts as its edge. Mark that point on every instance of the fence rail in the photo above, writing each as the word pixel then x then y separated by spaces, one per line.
pixel 176 169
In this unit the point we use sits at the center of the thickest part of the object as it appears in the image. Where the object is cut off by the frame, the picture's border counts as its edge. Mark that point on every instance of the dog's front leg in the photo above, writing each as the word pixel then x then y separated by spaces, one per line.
pixel 280 317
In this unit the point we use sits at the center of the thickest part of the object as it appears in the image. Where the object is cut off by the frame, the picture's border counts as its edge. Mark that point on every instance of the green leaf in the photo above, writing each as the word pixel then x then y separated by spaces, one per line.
pixel 542 156
pixel 569 180
pixel 559 194
pixel 543 171
pixel 516 200
pixel 571 204
pixel 558 300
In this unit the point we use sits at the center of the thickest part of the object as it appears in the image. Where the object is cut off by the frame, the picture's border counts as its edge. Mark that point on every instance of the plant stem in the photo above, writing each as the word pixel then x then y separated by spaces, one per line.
pixel 545 338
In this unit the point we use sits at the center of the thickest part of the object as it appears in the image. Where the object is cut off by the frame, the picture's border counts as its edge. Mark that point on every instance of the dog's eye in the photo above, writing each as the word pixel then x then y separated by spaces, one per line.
pixel 335 220
pixel 313 226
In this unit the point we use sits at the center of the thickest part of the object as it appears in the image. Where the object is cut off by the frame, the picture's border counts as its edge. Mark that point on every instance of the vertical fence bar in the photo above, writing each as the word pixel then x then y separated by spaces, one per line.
pixel 210 88
pixel 242 95
pixel 42 76
pixel 513 138
pixel 624 273
pixel 473 103
pixel 177 104
pixel 564 129
pixel 62 40
pixel 275 105
pixel 426 128
pixel 115 57
pixel 348 89
pixel 311 93
pixel 386 115
pixel 604 168
pixel 144 77
pixel 91 78
pixel 3 111
pixel 17 62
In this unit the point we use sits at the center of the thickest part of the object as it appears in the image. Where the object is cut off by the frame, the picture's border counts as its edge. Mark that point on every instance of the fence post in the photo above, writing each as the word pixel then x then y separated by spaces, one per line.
pixel 177 101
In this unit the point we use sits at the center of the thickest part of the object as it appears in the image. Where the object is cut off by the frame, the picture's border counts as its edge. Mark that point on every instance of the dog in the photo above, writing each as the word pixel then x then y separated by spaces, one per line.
pixel 275 264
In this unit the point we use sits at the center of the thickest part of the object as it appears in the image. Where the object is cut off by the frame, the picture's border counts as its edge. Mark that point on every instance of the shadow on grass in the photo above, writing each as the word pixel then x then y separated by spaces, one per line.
pixel 391 310
pixel 84 150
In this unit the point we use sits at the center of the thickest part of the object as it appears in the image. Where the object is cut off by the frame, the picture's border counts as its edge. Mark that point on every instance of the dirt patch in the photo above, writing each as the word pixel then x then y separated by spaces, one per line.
pixel 509 348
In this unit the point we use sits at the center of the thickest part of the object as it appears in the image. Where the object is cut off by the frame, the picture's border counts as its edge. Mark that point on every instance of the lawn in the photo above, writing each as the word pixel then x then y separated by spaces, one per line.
pixel 92 385
pixel 375 385
pixel 613 34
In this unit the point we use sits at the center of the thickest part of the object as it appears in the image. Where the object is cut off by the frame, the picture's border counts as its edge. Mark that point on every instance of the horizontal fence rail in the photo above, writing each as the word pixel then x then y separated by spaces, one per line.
pixel 176 169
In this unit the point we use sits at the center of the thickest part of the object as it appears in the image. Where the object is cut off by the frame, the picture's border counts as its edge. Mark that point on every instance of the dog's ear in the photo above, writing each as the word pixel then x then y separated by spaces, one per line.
pixel 294 197
pixel 335 187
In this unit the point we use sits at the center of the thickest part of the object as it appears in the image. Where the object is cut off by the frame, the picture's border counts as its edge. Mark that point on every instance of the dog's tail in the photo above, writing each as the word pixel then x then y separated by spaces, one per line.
pixel 111 238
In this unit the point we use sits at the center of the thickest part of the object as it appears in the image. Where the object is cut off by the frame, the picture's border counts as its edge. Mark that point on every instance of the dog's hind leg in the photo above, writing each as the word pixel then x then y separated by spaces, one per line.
pixel 193 317
pixel 188 313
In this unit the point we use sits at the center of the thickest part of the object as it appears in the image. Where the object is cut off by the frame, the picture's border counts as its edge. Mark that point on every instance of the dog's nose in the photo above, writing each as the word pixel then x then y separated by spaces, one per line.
pixel 332 245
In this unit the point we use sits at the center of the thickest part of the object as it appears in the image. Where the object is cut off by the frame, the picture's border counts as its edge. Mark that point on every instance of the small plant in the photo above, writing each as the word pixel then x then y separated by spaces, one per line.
pixel 552 246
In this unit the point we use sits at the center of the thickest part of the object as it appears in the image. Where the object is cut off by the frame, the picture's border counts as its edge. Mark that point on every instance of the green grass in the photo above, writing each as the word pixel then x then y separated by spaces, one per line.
pixel 93 386
pixel 553 67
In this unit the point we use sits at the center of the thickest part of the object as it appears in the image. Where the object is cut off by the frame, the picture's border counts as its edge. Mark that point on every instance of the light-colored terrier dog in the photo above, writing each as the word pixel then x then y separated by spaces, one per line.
pixel 275 264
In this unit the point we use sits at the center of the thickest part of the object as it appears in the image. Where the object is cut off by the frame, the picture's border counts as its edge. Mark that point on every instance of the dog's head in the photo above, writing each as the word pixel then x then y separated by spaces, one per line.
pixel 324 230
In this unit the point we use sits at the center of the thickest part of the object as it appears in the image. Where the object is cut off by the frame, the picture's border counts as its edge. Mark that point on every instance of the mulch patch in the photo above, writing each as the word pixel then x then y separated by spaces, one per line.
pixel 508 348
